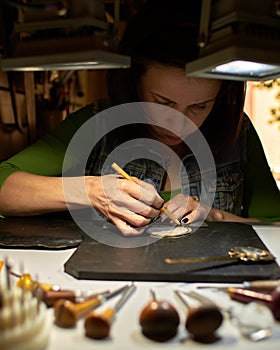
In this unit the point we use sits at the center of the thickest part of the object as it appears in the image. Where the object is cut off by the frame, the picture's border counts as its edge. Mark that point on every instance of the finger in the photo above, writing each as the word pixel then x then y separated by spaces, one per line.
pixel 177 206
pixel 115 186
pixel 123 193
pixel 157 200
pixel 194 215
pixel 142 191
pixel 193 201
pixel 182 206
pixel 189 218
pixel 126 229
pixel 129 206
pixel 178 213
pixel 127 215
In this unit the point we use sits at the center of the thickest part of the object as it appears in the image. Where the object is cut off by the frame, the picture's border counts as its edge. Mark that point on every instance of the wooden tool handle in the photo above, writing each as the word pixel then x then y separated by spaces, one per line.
pixel 84 307
pixel 67 313
pixel 50 297
pixel 97 325
pixel 247 295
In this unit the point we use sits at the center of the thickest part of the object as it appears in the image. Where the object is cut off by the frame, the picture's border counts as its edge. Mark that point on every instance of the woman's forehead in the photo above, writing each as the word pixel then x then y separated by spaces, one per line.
pixel 171 81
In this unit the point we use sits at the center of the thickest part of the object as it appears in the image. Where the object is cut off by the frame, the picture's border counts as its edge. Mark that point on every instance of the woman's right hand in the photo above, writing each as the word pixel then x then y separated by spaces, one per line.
pixel 129 206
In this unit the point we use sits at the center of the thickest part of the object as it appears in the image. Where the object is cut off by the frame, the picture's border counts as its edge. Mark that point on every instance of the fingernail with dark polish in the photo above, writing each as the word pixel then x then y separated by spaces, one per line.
pixel 184 220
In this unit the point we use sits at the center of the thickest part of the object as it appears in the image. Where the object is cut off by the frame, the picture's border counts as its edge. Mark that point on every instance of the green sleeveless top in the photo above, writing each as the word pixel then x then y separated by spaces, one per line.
pixel 166 195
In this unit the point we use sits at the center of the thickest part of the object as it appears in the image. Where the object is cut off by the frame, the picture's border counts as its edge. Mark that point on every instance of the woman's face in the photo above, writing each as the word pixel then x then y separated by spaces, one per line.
pixel 169 86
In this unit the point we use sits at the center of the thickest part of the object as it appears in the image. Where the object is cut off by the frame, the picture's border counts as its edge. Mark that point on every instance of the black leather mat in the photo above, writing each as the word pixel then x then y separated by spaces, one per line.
pixel 51 231
pixel 94 260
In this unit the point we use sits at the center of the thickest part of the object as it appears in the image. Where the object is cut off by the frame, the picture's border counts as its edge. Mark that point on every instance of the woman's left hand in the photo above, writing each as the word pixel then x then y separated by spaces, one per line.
pixel 190 209
pixel 187 208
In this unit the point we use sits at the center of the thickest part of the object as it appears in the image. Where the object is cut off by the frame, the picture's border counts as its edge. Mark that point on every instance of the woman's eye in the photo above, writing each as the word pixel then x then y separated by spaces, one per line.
pixel 199 106
pixel 162 102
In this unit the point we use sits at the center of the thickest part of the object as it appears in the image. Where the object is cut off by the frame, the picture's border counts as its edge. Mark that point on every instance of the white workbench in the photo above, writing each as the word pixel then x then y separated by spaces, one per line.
pixel 125 330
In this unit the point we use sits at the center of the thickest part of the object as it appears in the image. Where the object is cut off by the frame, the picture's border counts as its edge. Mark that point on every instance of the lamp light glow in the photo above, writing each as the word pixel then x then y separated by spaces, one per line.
pixel 242 43
pixel 246 67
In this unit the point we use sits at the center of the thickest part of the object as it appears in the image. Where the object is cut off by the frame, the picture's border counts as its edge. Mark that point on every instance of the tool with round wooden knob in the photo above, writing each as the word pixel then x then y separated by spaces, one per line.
pixel 159 320
pixel 202 321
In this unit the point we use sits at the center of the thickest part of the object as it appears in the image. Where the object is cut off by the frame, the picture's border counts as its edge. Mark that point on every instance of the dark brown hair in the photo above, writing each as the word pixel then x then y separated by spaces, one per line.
pixel 165 32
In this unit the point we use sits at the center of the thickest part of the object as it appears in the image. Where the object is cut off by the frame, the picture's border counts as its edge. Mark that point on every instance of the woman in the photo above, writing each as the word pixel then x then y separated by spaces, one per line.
pixel 160 40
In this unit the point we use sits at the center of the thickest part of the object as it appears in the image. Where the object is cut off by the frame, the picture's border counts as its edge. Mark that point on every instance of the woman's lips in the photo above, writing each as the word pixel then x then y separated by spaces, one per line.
pixel 173 137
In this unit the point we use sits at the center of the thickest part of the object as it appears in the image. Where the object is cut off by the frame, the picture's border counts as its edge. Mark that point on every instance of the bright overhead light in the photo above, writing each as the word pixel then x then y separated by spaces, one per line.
pixel 239 40
pixel 246 67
